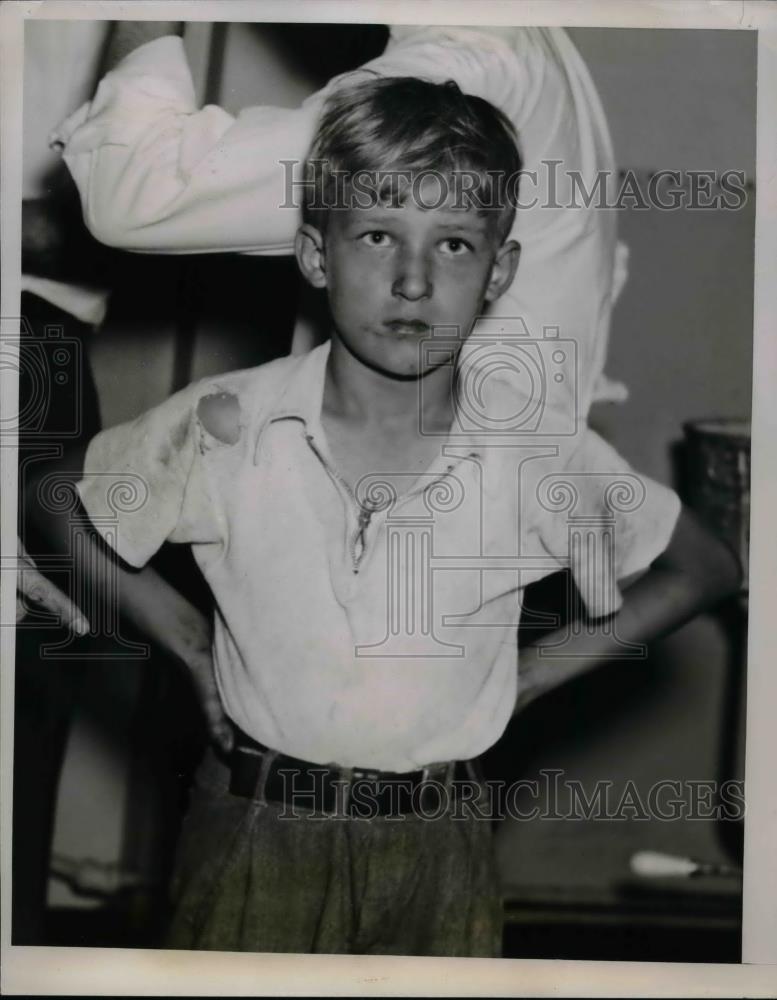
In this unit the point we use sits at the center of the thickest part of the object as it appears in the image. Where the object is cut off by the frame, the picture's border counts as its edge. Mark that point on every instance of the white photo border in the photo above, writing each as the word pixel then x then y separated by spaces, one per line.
pixel 68 971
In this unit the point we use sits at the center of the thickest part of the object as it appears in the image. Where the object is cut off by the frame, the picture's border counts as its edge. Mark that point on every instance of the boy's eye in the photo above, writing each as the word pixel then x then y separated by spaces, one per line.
pixel 456 246
pixel 376 238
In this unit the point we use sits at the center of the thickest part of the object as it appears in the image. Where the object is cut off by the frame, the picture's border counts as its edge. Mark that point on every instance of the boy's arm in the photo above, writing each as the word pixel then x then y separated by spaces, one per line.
pixel 145 598
pixel 694 572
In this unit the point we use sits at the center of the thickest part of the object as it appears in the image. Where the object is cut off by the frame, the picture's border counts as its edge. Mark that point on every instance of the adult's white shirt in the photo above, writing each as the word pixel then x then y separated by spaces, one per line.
pixel 157 174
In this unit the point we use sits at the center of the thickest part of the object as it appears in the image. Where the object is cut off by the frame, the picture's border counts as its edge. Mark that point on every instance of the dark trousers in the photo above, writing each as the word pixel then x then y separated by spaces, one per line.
pixel 249 878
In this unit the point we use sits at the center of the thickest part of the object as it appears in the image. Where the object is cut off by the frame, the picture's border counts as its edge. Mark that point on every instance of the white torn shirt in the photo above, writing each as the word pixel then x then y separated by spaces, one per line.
pixel 385 641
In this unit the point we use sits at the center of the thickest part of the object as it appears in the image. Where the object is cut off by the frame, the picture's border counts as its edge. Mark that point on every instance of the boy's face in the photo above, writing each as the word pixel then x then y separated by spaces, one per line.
pixel 394 273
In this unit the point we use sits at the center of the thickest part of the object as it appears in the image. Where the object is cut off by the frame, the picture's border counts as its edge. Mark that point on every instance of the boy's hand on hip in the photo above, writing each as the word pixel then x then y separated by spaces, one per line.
pixel 694 572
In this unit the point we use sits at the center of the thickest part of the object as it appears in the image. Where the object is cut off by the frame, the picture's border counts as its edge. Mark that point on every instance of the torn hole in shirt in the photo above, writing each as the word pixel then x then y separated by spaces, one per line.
pixel 219 416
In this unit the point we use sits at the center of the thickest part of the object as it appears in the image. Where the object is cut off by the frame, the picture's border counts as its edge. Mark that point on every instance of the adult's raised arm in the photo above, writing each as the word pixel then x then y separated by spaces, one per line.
pixel 157 174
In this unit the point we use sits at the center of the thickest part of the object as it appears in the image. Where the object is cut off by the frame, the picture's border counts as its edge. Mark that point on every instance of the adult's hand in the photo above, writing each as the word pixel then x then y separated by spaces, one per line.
pixel 32 585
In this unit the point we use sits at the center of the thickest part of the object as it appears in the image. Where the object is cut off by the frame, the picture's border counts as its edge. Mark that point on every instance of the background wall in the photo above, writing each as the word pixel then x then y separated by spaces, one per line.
pixel 681 341
pixel 682 332
pixel 681 99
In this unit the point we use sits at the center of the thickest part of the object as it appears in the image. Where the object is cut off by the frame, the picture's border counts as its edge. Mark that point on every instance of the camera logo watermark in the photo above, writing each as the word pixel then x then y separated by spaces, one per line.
pixel 48 366
pixel 506 507
pixel 506 383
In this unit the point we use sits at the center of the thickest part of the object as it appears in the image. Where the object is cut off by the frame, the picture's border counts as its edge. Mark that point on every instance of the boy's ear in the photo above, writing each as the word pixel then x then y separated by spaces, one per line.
pixel 503 270
pixel 309 251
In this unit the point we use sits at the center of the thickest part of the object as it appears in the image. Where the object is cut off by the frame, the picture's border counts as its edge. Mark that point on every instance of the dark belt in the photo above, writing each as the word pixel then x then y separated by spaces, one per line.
pixel 266 775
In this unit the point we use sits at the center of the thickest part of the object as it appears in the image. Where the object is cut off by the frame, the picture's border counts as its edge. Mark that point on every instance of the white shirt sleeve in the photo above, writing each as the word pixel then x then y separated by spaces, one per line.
pixel 601 518
pixel 144 482
pixel 157 174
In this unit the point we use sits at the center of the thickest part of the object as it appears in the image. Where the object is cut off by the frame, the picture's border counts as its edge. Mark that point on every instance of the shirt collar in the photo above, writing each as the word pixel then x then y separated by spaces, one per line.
pixel 302 393
pixel 300 396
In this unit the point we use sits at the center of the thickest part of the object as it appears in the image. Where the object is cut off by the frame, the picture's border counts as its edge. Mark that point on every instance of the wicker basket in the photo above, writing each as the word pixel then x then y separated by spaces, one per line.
pixel 718 479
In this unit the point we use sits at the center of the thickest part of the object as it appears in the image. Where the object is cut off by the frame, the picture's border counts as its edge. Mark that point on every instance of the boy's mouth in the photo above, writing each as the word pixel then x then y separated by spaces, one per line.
pixel 407 327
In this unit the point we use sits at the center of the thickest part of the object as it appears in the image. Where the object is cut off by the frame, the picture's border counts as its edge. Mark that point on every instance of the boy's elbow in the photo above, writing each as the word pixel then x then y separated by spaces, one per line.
pixel 723 571
pixel 709 564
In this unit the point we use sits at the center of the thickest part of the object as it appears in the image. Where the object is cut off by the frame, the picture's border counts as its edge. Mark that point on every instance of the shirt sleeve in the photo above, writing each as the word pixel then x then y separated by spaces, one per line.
pixel 144 481
pixel 156 174
pixel 603 519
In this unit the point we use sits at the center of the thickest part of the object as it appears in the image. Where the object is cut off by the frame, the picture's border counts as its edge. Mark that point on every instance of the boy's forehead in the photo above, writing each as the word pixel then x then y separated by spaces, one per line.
pixel 430 211
pixel 423 198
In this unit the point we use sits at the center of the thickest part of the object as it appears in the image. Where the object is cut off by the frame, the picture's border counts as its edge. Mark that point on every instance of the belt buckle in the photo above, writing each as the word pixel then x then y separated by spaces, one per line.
pixel 437 785
pixel 265 760
pixel 362 774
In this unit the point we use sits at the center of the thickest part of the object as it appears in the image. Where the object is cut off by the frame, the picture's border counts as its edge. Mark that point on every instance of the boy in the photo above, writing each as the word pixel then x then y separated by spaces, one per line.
pixel 367 548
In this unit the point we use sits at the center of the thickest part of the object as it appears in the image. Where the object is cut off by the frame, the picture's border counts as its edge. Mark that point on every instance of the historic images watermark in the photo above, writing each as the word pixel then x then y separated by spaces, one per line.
pixel 549 187
pixel 549 796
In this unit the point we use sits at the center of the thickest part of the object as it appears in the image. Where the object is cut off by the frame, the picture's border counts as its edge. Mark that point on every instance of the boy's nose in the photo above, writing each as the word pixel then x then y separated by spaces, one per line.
pixel 412 281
